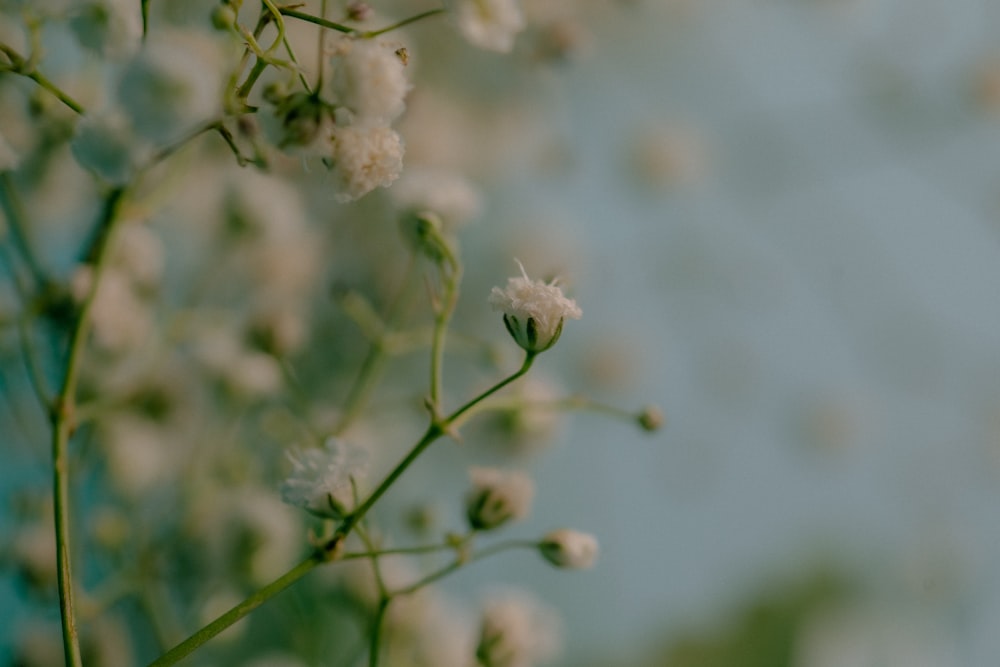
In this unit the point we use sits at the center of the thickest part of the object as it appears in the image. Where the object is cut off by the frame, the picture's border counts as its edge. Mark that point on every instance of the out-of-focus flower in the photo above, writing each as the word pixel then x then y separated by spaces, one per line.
pixel 174 83
pixel 9 159
pixel 569 549
pixel 369 78
pixel 447 194
pixel 320 482
pixel 490 24
pixel 517 630
pixel 533 311
pixel 365 157
pixel 105 145
pixel 110 28
pixel 497 496
pixel 121 321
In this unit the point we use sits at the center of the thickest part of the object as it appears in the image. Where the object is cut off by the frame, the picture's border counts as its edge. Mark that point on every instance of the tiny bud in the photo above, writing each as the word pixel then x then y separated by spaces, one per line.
pixel 497 497
pixel 403 55
pixel 570 549
pixel 359 11
pixel 423 232
pixel 275 92
pixel 247 126
pixel 223 17
pixel 651 418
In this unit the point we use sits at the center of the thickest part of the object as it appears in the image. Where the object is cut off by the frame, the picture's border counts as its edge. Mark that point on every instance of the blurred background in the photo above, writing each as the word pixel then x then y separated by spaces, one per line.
pixel 782 222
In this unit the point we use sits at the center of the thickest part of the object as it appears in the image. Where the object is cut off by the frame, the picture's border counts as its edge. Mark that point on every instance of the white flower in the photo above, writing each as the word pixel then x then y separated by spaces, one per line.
pixel 517 631
pixel 569 548
pixel 497 496
pixel 110 28
pixel 369 79
pixel 365 157
pixel 490 24
pixel 534 311
pixel 320 482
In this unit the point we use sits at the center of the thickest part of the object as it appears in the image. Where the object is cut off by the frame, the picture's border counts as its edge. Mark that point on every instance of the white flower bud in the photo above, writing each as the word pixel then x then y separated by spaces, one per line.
pixel 490 24
pixel 497 496
pixel 517 630
pixel 569 548
pixel 533 311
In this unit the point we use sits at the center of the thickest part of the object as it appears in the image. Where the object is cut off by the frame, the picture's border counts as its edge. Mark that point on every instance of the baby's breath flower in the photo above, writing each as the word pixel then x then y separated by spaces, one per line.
pixel 569 548
pixel 490 24
pixel 320 482
pixel 497 496
pixel 517 630
pixel 369 79
pixel 365 157
pixel 533 311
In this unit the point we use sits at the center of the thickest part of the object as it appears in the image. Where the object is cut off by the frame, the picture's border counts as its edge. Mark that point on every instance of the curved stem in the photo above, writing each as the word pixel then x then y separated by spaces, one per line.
pixel 454 417
pixel 462 561
pixel 236 613
pixel 309 18
pixel 404 22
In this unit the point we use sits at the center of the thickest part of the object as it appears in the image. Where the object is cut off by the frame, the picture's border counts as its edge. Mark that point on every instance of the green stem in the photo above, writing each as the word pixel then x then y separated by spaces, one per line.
pixel 16 218
pixel 454 417
pixel 402 551
pixel 462 561
pixel 236 613
pixel 441 318
pixel 309 18
pixel 376 639
pixel 404 22
pixel 259 66
pixel 63 425
pixel 45 83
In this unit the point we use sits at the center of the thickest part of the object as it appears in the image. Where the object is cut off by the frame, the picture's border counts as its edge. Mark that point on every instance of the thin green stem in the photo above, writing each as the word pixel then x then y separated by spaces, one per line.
pixel 145 18
pixel 464 560
pixel 441 318
pixel 376 638
pixel 367 377
pixel 568 403
pixel 259 66
pixel 309 18
pixel 455 416
pixel 236 613
pixel 63 425
pixel 402 551
pixel 404 22
pixel 59 94
pixel 16 223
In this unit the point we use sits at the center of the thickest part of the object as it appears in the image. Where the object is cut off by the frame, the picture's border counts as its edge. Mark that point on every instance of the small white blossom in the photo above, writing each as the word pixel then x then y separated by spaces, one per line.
pixel 110 28
pixel 497 496
pixel 570 549
pixel 320 482
pixel 365 157
pixel 517 630
pixel 369 79
pixel 534 311
pixel 490 24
